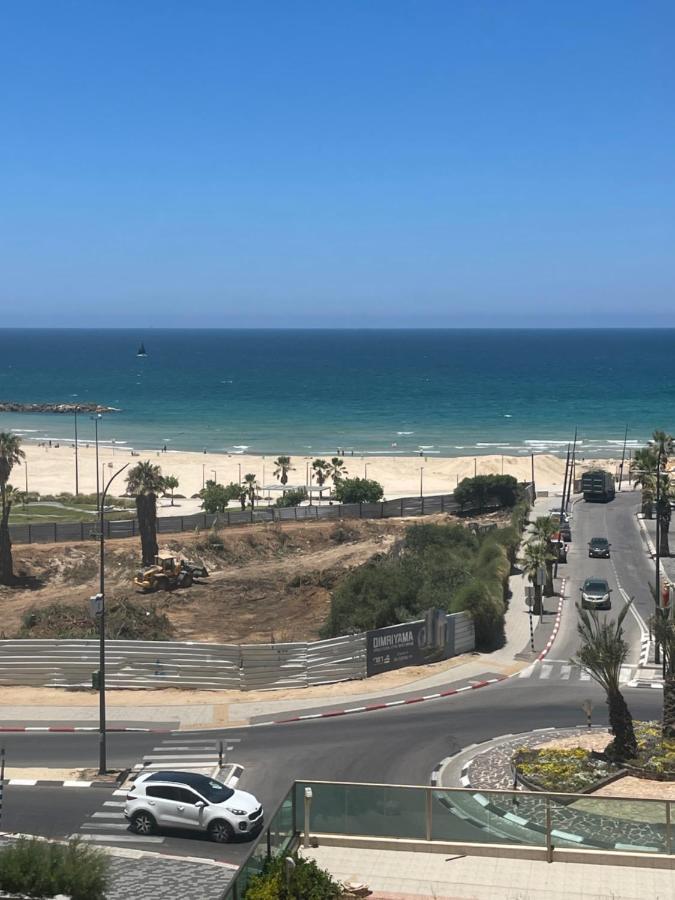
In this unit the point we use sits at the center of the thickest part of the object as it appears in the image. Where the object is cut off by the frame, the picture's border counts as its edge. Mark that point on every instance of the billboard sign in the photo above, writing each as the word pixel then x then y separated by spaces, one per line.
pixel 410 644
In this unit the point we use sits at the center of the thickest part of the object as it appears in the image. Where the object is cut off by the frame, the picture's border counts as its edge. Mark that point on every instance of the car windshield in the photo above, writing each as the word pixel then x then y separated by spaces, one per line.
pixel 596 587
pixel 599 542
pixel 214 791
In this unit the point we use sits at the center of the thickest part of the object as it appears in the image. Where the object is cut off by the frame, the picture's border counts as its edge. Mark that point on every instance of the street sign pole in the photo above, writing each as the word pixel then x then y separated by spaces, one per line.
pixel 2 778
pixel 529 599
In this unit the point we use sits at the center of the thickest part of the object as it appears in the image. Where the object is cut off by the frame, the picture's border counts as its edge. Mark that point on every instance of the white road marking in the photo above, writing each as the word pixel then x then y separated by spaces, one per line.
pixel 584 675
pixel 565 671
pixel 546 670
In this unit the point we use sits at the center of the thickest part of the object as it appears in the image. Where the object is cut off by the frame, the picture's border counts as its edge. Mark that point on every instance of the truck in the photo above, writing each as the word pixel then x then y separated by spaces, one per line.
pixel 169 572
pixel 597 484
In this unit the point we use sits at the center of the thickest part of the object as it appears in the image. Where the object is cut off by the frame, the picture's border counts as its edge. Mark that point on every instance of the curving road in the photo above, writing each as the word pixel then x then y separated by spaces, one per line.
pixel 400 745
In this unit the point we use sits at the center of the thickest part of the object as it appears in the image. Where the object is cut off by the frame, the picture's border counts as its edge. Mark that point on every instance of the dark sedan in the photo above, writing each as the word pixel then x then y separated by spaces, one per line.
pixel 598 547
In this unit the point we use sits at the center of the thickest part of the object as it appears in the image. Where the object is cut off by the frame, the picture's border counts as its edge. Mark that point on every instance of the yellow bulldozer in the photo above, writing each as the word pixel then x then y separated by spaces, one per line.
pixel 169 572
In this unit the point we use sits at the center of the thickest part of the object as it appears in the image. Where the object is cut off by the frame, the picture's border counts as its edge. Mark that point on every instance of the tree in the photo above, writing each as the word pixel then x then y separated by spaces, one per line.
pixel 283 467
pixel 358 490
pixel 337 470
pixel 602 653
pixel 292 497
pixel 11 455
pixel 321 472
pixel 664 634
pixel 144 482
pixel 477 492
pixel 535 557
pixel 543 529
pixel 648 469
pixel 250 488
pixel 170 483
pixel 216 497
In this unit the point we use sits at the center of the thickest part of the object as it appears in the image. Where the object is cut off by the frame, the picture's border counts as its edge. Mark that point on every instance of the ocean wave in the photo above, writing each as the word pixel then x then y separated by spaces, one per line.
pixel 405 432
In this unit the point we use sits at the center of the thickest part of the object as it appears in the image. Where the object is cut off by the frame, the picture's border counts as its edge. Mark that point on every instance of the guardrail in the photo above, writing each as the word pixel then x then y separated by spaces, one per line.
pixel 58 532
pixel 555 824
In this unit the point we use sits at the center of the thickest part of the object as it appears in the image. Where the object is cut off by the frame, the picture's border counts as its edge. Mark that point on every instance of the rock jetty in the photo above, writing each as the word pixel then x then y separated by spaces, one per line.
pixel 8 406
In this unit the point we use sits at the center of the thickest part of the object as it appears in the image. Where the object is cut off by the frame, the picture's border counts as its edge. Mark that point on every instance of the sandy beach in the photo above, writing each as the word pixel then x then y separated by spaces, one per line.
pixel 50 470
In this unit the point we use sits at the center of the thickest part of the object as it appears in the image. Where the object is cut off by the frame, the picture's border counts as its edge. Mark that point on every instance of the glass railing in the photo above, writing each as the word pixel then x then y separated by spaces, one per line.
pixel 462 816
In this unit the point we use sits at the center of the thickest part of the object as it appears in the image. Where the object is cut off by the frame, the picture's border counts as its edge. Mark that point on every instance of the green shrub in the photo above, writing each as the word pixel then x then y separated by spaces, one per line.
pixel 358 490
pixel 569 770
pixel 307 882
pixel 215 497
pixel 483 490
pixel 42 869
pixel 487 611
pixel 291 497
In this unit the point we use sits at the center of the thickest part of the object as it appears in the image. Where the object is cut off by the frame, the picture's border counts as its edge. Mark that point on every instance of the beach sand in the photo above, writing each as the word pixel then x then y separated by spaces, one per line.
pixel 51 470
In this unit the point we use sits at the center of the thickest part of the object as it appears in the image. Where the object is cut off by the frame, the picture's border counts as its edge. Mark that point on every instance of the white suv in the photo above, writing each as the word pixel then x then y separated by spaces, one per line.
pixel 188 800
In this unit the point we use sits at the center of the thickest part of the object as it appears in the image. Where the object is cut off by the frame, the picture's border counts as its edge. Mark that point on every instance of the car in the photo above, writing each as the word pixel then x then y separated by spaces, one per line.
pixel 596 594
pixel 566 532
pixel 598 547
pixel 189 800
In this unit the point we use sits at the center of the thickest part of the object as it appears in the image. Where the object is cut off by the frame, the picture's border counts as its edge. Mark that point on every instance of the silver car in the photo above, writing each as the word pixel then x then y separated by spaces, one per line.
pixel 596 594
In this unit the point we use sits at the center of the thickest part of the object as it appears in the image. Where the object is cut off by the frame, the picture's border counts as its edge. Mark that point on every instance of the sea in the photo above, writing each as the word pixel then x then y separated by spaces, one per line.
pixel 379 392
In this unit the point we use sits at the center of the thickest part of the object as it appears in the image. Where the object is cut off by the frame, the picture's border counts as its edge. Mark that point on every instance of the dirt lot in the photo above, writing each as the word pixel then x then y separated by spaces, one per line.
pixel 266 580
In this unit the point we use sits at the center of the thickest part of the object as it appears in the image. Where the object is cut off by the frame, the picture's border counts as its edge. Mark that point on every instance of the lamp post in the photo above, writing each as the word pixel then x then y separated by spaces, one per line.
pixel 215 475
pixel 421 482
pixel 239 465
pixel 98 485
pixel 25 464
pixel 623 456
pixel 475 467
pixel 657 646
pixel 77 478
pixel 365 470
pixel 203 476
pixel 102 761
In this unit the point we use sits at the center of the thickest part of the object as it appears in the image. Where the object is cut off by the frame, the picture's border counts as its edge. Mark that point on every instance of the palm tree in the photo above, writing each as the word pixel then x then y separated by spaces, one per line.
pixel 171 483
pixel 602 653
pixel 145 481
pixel 283 467
pixel 321 471
pixel 543 529
pixel 664 635
pixel 337 470
pixel 11 455
pixel 643 472
pixel 648 468
pixel 535 557
pixel 250 488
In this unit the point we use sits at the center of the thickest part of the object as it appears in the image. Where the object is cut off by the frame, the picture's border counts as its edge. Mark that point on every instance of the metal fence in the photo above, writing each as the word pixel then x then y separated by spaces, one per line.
pixel 190 665
pixel 58 532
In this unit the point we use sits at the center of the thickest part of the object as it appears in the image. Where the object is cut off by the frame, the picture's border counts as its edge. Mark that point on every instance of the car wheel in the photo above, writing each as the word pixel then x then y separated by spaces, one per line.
pixel 221 832
pixel 143 823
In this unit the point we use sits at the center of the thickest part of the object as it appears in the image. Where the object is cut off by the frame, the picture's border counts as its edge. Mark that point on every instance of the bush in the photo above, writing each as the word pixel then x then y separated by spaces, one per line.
pixel 358 490
pixel 292 497
pixel 124 620
pixel 479 492
pixel 215 497
pixel 41 869
pixel 307 882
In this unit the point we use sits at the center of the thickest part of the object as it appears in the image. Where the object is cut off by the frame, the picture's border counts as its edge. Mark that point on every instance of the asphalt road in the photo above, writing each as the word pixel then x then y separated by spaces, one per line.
pixel 398 746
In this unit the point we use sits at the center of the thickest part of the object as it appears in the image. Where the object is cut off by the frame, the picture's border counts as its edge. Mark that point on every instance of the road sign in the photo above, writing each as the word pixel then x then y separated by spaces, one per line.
pixel 541 575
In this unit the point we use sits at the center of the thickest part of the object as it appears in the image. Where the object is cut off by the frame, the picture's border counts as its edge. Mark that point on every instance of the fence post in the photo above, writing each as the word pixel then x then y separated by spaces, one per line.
pixel 182 528
pixel 382 510
pixel 30 534
pixel 81 531
pixel 205 525
pixel 422 505
pixel 429 812
pixel 669 840
pixel 295 510
pixel 401 507
pixel 360 510
pixel 549 839
pixel 55 538
pixel 442 503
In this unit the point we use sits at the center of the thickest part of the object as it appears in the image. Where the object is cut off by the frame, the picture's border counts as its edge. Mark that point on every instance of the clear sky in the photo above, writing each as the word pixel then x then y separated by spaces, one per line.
pixel 351 163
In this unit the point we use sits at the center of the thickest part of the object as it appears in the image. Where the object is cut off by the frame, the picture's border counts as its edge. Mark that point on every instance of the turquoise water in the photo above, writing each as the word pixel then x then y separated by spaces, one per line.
pixel 448 392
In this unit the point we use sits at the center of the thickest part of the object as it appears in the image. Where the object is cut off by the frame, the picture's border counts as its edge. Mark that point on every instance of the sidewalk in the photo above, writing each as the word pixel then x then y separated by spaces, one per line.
pixel 211 709
pixel 408 875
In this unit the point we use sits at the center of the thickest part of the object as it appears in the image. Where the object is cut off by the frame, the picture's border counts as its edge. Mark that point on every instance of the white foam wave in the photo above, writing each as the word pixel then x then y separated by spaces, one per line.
pixel 405 432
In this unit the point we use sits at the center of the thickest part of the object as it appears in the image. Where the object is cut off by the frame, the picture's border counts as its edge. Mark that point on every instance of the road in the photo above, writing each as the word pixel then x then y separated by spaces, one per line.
pixel 400 745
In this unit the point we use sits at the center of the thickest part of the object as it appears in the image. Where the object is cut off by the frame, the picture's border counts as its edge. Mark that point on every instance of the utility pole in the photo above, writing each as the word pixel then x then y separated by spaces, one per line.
pixel 657 599
pixel 534 490
pixel 623 457
pixel 77 479
pixel 570 481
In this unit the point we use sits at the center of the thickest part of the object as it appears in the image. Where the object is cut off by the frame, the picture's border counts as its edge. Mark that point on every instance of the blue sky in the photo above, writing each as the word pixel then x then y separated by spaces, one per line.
pixel 355 163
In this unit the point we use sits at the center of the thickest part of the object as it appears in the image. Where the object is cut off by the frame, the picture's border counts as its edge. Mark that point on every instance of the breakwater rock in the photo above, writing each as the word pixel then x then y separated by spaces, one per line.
pixel 8 406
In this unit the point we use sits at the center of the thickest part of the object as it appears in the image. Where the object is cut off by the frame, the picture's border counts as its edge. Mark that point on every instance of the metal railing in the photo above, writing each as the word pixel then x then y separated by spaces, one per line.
pixel 548 821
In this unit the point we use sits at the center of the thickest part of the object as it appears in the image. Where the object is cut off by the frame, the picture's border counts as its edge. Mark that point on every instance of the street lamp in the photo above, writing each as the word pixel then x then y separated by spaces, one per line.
pixel 365 470
pixel 98 486
pixel 102 762
pixel 203 476
pixel 421 482
pixel 215 475
pixel 239 466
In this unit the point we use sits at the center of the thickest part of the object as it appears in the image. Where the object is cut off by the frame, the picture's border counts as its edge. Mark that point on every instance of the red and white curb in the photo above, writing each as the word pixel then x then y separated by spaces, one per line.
pixel 333 713
pixel 70 729
pixel 556 624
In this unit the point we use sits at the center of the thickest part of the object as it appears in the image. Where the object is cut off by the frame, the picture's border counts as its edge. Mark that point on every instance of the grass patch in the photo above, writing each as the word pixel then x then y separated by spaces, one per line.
pixel 33 868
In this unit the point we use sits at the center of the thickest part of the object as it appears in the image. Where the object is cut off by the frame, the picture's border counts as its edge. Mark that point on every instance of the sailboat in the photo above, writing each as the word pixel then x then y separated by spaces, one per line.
pixel 141 350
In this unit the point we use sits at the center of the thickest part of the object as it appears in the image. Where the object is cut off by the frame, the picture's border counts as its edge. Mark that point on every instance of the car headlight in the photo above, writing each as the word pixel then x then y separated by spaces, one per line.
pixel 236 812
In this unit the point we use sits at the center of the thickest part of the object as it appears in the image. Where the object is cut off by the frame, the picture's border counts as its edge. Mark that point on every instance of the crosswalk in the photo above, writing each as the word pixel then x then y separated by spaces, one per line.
pixel 559 670
pixel 108 826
